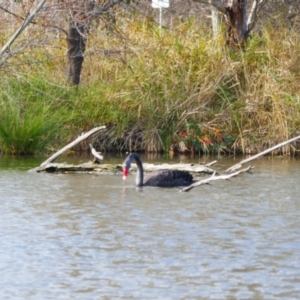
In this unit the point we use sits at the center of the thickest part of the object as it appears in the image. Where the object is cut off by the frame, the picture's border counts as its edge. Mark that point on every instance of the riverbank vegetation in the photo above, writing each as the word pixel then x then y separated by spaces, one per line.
pixel 174 90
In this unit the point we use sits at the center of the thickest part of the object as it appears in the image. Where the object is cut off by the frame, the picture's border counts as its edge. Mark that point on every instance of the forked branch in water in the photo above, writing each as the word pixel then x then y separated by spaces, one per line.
pixel 231 172
pixel 215 177
pixel 238 165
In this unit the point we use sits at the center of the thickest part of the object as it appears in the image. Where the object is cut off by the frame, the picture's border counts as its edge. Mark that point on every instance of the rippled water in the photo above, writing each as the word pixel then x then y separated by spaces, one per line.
pixel 94 237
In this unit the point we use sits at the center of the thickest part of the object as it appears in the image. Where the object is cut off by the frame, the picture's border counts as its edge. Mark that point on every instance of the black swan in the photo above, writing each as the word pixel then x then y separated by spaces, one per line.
pixel 161 178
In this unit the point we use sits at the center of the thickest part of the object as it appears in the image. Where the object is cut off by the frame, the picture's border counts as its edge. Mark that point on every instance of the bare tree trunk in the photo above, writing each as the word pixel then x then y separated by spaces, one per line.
pixel 77 36
pixel 79 26
pixel 76 46
pixel 237 22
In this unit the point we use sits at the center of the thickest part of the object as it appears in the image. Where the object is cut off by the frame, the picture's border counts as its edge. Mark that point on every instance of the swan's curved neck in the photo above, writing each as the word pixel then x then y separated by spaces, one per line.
pixel 139 180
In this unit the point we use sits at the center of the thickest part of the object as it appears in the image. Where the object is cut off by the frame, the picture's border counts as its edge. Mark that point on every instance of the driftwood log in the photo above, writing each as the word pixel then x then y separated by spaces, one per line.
pixel 92 167
pixel 96 166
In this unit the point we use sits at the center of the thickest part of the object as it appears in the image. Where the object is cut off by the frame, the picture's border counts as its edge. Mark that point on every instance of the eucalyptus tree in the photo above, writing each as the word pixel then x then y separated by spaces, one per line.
pixel 240 16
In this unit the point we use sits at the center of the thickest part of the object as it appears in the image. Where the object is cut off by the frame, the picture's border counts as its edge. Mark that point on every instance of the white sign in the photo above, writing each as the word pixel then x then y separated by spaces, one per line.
pixel 160 3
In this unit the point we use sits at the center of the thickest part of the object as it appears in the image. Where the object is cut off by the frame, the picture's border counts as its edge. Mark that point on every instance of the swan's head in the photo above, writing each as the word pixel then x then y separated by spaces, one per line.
pixel 125 172
pixel 126 166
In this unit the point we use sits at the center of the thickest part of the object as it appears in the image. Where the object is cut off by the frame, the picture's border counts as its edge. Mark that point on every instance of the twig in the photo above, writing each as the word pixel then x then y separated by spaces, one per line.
pixel 210 163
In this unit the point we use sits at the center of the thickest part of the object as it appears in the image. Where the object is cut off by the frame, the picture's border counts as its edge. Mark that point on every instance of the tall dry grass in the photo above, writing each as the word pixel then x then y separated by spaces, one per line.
pixel 149 87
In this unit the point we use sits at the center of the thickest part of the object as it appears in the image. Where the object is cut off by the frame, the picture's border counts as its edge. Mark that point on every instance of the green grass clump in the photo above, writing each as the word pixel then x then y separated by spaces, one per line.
pixel 30 118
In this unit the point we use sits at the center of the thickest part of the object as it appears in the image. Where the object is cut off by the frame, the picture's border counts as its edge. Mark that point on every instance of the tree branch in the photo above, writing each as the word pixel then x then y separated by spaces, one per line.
pixel 22 27
pixel 216 3
pixel 99 10
pixel 215 177
pixel 231 172
pixel 238 165
pixel 32 21
pixel 72 144
pixel 253 13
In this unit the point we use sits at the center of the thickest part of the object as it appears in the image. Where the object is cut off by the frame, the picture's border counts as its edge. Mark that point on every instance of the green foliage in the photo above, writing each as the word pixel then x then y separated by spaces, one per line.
pixel 30 118
pixel 26 131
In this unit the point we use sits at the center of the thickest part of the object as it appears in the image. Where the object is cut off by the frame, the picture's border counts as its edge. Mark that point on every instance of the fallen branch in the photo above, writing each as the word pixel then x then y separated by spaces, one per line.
pixel 215 177
pixel 231 172
pixel 238 165
pixel 72 144
pixel 95 168
pixel 89 167
pixel 194 168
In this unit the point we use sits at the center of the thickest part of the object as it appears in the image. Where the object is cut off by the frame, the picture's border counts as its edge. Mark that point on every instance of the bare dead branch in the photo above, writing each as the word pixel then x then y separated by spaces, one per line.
pixel 22 27
pixel 99 10
pixel 215 177
pixel 72 144
pixel 216 3
pixel 210 163
pixel 238 165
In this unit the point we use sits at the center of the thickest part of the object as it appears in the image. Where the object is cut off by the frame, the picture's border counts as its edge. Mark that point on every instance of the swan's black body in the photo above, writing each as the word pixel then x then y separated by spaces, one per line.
pixel 161 178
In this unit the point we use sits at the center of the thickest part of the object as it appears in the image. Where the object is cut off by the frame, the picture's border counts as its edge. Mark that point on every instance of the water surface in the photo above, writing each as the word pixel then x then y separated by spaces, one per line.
pixel 94 237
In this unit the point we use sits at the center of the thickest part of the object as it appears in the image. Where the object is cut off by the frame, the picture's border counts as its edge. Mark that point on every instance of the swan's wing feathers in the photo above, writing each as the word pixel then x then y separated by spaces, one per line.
pixel 168 178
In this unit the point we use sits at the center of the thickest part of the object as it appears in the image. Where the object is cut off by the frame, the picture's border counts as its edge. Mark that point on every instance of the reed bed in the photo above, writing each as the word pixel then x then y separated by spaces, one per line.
pixel 176 90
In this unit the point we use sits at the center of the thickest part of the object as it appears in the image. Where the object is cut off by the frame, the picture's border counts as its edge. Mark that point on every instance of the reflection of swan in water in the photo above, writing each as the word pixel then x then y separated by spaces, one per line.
pixel 162 178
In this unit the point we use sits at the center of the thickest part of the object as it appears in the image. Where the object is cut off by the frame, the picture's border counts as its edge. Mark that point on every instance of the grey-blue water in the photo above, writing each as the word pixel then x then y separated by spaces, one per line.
pixel 96 237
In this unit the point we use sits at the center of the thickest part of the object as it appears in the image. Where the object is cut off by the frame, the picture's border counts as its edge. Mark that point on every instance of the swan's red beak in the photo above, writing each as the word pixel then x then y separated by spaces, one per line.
pixel 125 173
